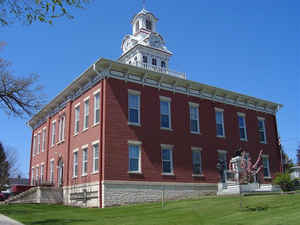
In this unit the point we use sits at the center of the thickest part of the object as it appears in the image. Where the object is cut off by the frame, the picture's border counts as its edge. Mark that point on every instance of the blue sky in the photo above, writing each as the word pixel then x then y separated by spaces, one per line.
pixel 251 47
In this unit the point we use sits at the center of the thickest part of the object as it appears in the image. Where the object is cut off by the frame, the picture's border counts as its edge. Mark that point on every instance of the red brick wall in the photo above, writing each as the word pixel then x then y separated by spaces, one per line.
pixel 118 132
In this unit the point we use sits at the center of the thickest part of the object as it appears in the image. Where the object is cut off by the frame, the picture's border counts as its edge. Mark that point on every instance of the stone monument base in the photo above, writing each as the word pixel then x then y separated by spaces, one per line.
pixel 234 189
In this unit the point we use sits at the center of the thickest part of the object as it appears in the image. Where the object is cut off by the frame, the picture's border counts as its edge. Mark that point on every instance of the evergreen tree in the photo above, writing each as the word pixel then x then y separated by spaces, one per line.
pixel 298 155
pixel 4 168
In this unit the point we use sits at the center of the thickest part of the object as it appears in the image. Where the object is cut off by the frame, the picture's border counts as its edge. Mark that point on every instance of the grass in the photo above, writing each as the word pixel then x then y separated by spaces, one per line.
pixel 258 210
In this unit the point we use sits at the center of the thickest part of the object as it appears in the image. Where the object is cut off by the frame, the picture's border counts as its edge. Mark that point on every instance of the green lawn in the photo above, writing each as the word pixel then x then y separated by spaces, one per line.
pixel 258 210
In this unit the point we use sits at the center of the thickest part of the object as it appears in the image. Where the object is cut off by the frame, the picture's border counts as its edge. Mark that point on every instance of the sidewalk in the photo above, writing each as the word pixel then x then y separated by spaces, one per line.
pixel 4 220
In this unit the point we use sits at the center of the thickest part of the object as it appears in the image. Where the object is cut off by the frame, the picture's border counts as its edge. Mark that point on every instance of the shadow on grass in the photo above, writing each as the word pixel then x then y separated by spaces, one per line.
pixel 58 221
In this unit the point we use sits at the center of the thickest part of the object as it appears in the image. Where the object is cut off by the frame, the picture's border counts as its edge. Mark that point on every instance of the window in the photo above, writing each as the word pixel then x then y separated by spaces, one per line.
pixel 262 130
pixel 84 161
pixel 61 127
pixel 86 114
pixel 96 158
pixel 77 116
pixel 148 24
pixel 43 139
pixel 220 122
pixel 37 174
pixel 167 160
pixel 196 155
pixel 222 156
pixel 39 143
pixel 194 118
pixel 42 172
pixel 242 126
pixel 133 107
pixel 34 145
pixel 134 162
pixel 32 176
pixel 96 108
pixel 137 26
pixel 154 61
pixel 163 64
pixel 266 166
pixel 75 164
pixel 51 171
pixel 53 133
pixel 165 113
pixel 145 59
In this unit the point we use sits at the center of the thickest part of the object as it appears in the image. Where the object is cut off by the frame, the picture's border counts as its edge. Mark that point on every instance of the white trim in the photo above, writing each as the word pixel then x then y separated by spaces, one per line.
pixel 222 151
pixel 94 158
pixel 223 123
pixel 95 109
pixel 194 104
pixel 241 114
pixel 264 129
pixel 76 150
pixel 132 142
pixel 196 148
pixel 86 98
pixel 78 104
pixel 134 92
pixel 261 118
pixel 219 109
pixel 97 91
pixel 166 146
pixel 95 142
pixel 85 146
pixel 164 98
pixel 139 171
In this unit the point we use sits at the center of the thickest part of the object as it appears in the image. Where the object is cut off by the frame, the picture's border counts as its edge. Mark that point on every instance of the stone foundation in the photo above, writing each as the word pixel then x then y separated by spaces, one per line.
pixel 128 192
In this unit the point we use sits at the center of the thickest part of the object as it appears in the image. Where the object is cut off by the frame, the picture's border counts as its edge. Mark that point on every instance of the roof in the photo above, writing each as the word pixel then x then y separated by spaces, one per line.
pixel 104 65
pixel 143 12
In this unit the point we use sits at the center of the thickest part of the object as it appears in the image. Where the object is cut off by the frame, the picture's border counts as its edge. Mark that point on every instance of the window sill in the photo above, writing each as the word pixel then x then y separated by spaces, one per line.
pixel 198 175
pixel 134 124
pixel 218 136
pixel 165 128
pixel 75 177
pixel 195 132
pixel 96 124
pixel 135 172
pixel 95 172
pixel 84 130
pixel 244 140
pixel 60 142
pixel 168 174
pixel 262 142
pixel 75 134
pixel 267 178
pixel 84 175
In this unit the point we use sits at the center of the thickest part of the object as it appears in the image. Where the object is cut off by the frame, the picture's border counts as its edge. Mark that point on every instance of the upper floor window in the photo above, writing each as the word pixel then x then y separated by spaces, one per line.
pixel 53 133
pixel 148 24
pixel 133 107
pixel 165 112
pixel 134 156
pixel 77 118
pixel 32 176
pixel 37 174
pixel 52 171
pixel 38 143
pixel 194 118
pixel 61 128
pixel 145 59
pixel 154 61
pixel 163 64
pixel 42 173
pixel 96 108
pixel 262 130
pixel 86 114
pixel 34 145
pixel 220 122
pixel 242 126
pixel 137 26
pixel 266 166
pixel 75 163
pixel 167 159
pixel 44 139
pixel 197 164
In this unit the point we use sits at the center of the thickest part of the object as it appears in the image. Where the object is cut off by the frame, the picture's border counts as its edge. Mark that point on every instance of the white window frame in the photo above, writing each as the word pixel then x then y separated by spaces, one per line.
pixel 170 148
pixel 61 128
pixel 97 93
pixel 42 170
pixel 197 149
pixel 223 125
pixel 138 144
pixel 37 176
pixel 169 101
pixel 34 145
pixel 44 139
pixel 75 164
pixel 85 162
pixel 76 119
pixel 264 129
pixel 32 176
pixel 51 177
pixel 38 142
pixel 268 161
pixel 86 113
pixel 95 143
pixel 135 93
pixel 196 106
pixel 53 132
pixel 242 115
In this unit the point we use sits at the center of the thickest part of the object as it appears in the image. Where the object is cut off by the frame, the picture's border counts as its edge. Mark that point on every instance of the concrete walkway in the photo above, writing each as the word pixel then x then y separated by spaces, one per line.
pixel 4 220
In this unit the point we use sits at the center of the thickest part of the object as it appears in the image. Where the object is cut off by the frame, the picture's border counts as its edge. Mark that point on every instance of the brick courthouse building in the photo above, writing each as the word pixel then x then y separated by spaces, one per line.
pixel 126 129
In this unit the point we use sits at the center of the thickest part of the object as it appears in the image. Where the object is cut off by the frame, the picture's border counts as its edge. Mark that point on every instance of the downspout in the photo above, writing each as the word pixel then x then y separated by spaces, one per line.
pixel 101 145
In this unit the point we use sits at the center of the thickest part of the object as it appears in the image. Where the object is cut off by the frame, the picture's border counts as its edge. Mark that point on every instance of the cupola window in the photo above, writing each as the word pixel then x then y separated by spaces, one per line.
pixel 154 61
pixel 163 64
pixel 137 26
pixel 148 24
pixel 145 59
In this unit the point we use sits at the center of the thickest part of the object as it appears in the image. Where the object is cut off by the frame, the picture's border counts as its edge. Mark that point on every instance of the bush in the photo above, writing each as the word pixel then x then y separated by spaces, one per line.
pixel 285 181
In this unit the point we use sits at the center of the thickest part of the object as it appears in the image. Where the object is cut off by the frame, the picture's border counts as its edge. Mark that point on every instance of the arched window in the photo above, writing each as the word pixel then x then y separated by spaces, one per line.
pixel 137 26
pixel 148 24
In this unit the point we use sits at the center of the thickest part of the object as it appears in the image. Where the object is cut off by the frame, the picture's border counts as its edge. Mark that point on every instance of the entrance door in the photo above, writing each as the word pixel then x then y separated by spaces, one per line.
pixel 60 176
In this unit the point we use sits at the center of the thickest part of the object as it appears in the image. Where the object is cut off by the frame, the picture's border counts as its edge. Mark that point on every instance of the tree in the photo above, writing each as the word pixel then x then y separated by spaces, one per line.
pixel 4 167
pixel 19 96
pixel 298 155
pixel 36 10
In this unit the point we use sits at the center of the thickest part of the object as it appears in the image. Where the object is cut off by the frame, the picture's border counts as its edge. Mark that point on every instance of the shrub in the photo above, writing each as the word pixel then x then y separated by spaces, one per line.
pixel 285 181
